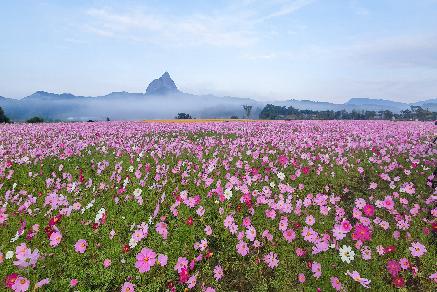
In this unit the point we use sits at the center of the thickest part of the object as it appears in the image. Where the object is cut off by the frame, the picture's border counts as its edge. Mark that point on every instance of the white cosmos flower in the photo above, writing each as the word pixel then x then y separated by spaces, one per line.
pixel 137 192
pixel 281 175
pixel 125 182
pixel 132 243
pixel 346 254
pixel 9 254
pixel 272 184
pixel 99 215
pixel 228 194
pixel 15 238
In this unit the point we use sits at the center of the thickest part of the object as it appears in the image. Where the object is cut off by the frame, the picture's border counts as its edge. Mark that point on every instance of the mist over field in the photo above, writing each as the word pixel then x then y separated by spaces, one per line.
pixel 163 100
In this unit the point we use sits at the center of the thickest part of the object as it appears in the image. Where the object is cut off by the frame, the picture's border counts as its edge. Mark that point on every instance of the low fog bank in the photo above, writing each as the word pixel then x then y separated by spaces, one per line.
pixel 126 107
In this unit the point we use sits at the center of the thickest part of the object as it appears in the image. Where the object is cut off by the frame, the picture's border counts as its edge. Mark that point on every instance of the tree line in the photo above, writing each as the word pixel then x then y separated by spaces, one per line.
pixel 274 112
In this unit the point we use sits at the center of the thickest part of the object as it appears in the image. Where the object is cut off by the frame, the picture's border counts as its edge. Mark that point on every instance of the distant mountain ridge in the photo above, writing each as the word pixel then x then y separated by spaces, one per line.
pixel 151 105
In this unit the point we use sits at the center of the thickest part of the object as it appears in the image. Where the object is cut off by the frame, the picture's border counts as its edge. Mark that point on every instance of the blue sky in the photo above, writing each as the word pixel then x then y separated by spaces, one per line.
pixel 329 50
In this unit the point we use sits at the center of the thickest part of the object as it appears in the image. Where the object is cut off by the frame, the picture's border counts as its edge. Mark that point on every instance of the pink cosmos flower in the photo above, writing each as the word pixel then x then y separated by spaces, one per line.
pixel 80 246
pixel 433 277
pixel 405 264
pixel 338 232
pixel 182 263
pixel 310 220
pixel 246 222
pixel 242 248
pixel 208 230
pixel 42 283
pixel 218 272
pixel 21 284
pixel 309 234
pixel 300 252
pixel 267 235
pixel 301 278
pixel 316 268
pixel 161 228
pixel 366 253
pixel 336 284
pixel 26 258
pixel 373 185
pixel 251 233
pixel 192 281
pixel 417 249
pixel 200 211
pixel 107 263
pixel 356 276
pixel 346 226
pixel 128 287
pixel 146 259
pixel 73 282
pixel 229 220
pixel 289 235
pixel 55 238
pixel 162 259
pixel 283 223
pixel 271 259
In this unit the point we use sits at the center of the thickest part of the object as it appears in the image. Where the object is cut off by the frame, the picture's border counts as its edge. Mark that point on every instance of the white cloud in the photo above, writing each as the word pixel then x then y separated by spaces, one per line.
pixel 233 26
pixel 212 30
pixel 289 7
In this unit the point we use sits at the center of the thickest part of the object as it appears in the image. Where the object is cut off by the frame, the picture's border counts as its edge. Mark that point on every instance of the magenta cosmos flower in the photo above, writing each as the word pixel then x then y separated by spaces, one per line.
pixel 81 246
pixel 146 259
pixel 393 267
pixel 361 233
pixel 369 210
pixel 73 282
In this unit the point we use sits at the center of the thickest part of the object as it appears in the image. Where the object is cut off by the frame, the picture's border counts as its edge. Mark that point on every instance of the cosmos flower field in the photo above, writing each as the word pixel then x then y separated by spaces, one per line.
pixel 218 206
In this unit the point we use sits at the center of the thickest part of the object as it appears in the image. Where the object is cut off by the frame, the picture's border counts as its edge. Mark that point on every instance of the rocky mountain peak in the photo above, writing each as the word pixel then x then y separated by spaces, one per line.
pixel 162 86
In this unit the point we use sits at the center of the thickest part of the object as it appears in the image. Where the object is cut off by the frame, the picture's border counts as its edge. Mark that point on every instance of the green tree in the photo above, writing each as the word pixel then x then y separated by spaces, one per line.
pixel 183 116
pixel 35 120
pixel 3 117
pixel 247 110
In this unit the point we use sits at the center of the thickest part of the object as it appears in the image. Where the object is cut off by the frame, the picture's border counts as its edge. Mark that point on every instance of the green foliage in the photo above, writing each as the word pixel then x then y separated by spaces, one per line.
pixel 35 120
pixel 183 116
pixel 274 112
pixel 3 117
